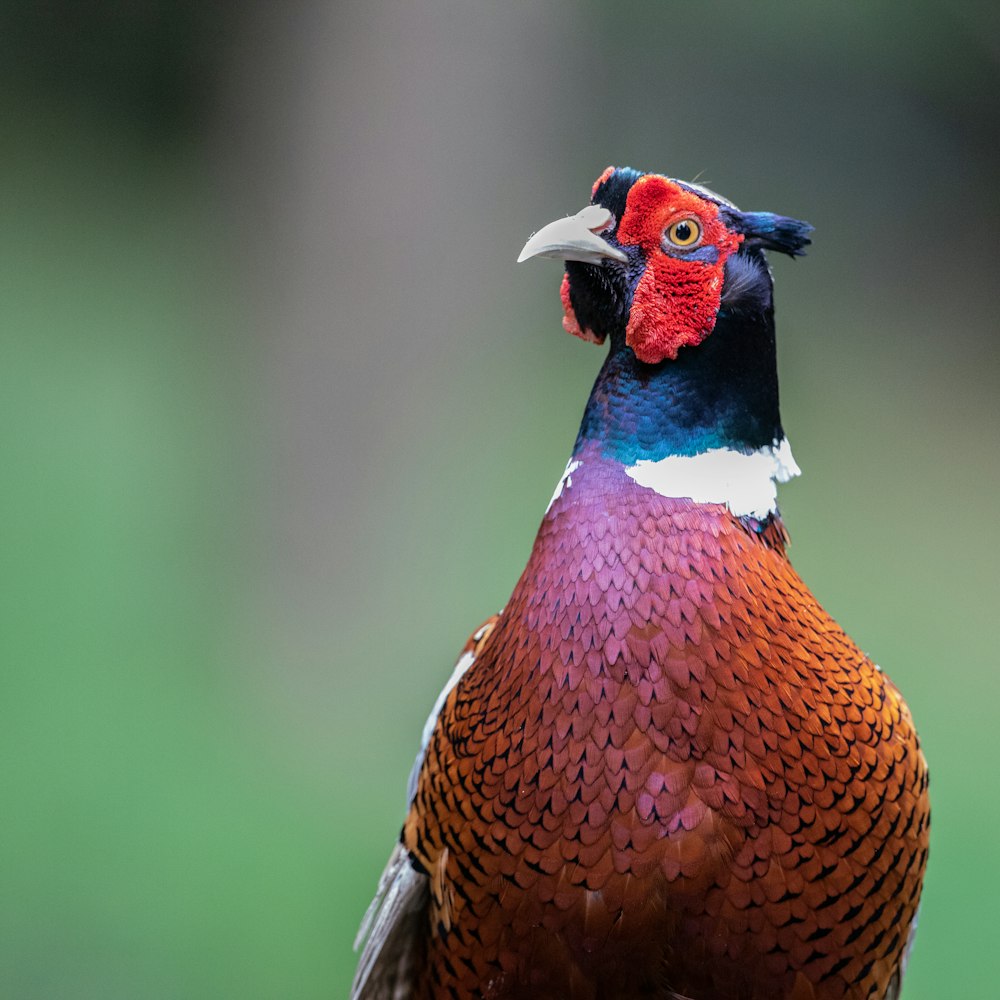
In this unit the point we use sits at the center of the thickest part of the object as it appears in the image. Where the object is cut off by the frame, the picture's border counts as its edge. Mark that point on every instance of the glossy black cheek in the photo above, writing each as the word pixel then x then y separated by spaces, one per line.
pixel 746 286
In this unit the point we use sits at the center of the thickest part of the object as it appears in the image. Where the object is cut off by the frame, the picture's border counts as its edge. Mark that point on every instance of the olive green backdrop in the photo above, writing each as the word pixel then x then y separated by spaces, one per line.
pixel 279 416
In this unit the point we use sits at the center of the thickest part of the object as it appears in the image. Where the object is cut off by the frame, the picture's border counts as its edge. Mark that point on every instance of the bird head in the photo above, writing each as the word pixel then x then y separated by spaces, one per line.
pixel 652 262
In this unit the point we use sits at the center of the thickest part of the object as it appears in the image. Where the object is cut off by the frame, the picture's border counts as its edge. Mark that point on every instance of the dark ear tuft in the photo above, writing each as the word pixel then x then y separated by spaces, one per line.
pixel 747 283
pixel 773 232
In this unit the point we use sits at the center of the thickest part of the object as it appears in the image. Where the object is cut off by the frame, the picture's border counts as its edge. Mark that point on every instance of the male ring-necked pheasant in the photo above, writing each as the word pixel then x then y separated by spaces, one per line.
pixel 662 770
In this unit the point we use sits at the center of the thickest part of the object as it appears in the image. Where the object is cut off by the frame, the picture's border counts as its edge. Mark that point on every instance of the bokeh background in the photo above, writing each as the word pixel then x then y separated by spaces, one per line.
pixel 279 417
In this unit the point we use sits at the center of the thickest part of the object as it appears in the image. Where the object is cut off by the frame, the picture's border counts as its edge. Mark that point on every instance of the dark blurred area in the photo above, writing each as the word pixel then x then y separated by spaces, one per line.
pixel 151 68
pixel 280 417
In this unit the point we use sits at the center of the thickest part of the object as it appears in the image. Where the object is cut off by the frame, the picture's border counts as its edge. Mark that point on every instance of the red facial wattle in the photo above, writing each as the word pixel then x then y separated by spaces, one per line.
pixel 677 299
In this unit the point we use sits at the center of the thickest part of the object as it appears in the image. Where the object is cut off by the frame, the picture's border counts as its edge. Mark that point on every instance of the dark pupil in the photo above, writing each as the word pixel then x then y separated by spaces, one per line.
pixel 683 232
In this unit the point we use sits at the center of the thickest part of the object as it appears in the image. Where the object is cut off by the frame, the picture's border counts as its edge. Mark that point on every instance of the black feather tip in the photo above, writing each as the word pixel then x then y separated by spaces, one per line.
pixel 773 232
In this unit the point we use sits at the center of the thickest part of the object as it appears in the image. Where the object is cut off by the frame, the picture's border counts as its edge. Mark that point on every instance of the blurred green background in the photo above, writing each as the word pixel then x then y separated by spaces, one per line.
pixel 280 417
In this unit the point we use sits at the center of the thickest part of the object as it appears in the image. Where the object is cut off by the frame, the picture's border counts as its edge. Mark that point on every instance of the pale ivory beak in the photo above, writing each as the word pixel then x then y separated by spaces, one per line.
pixel 574 238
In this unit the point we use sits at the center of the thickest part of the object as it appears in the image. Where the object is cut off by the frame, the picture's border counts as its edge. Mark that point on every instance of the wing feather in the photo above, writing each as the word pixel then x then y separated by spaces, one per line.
pixel 390 934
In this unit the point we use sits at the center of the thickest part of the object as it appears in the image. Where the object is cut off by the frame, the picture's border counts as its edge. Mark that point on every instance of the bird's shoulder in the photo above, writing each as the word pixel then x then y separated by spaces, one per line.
pixel 389 934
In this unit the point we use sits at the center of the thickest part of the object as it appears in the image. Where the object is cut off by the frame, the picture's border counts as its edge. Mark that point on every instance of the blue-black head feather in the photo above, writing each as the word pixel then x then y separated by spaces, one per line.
pixel 771 232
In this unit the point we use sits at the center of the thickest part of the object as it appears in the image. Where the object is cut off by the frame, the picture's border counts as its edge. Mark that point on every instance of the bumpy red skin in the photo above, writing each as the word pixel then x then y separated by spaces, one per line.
pixel 667 773
pixel 676 301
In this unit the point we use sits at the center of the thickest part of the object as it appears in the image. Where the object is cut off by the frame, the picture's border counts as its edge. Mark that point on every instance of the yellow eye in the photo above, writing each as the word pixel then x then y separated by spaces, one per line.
pixel 683 233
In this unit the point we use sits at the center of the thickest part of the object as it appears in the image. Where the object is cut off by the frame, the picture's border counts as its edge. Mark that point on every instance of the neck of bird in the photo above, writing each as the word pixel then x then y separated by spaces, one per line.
pixel 704 427
pixel 722 395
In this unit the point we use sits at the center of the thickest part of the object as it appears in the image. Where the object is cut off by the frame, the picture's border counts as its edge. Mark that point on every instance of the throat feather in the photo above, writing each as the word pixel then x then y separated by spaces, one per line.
pixel 705 426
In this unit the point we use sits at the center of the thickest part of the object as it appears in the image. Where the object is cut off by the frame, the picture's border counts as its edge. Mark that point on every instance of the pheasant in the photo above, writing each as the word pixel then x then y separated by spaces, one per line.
pixel 662 770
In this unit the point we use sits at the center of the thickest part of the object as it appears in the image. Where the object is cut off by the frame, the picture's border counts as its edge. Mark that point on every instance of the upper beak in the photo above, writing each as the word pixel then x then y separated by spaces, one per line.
pixel 575 238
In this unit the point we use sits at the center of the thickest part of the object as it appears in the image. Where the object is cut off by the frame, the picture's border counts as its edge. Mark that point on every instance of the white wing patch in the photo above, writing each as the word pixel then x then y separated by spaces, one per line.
pixel 745 483
pixel 464 662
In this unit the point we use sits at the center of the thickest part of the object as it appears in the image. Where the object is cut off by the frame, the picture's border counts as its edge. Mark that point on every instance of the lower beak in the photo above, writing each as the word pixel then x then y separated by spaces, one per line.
pixel 575 238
